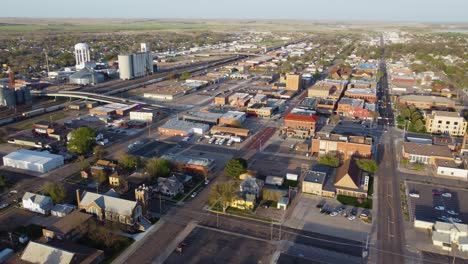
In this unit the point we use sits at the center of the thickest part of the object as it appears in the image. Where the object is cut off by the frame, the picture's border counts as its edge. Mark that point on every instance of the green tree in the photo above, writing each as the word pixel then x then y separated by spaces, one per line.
pixel 129 162
pixel 418 125
pixel 405 113
pixel 329 160
pixel 286 67
pixel 99 152
pixel 185 76
pixel 56 191
pixel 235 167
pixel 100 176
pixel 84 163
pixel 223 194
pixel 271 195
pixel 82 139
pixel 157 167
pixel 367 165
pixel 2 180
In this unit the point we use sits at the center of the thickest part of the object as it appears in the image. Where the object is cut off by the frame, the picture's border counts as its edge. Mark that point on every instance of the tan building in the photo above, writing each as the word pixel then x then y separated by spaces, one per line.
pixel 260 111
pixel 424 153
pixel 327 89
pixel 443 122
pixel 314 181
pixel 426 102
pixel 300 126
pixel 239 132
pixel 347 146
pixel 349 180
pixel 293 82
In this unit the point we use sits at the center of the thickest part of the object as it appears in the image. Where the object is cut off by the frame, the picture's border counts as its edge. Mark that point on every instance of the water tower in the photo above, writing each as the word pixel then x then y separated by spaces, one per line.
pixel 82 55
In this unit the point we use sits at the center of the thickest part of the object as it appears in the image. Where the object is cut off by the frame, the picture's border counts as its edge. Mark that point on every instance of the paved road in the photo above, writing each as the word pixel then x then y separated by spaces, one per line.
pixel 390 232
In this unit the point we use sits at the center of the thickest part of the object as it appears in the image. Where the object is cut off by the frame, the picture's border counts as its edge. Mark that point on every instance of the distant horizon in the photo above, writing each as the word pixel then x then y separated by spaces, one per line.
pixel 350 21
pixel 417 11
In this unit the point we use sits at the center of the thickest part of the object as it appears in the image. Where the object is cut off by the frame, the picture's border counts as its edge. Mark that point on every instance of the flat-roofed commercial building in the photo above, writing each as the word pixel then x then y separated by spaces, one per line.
pixel 143 115
pixel 239 132
pixel 327 89
pixel 202 117
pixel 425 153
pixel 113 109
pixel 33 160
pixel 176 127
pixel 426 102
pixel 301 126
pixel 443 122
pixel 370 95
pixel 232 118
pixel 347 146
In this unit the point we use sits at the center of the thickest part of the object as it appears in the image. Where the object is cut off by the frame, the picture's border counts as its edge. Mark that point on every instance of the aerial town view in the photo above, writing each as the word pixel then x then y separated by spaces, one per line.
pixel 290 132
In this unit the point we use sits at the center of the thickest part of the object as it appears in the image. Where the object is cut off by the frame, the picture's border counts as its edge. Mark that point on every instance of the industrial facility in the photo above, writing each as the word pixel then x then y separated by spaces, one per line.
pixel 86 76
pixel 136 64
pixel 83 56
pixel 30 160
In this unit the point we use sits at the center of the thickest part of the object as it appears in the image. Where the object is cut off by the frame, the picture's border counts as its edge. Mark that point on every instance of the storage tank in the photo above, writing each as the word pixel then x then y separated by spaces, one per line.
pixel 10 98
pixel 2 96
pixel 125 67
pixel 27 95
pixel 19 96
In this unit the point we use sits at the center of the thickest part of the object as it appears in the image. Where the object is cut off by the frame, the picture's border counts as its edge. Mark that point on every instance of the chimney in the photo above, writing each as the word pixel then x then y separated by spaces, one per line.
pixel 78 198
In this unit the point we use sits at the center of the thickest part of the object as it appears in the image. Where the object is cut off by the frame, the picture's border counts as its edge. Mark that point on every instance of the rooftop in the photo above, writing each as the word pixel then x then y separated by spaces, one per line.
pixel 427 150
pixel 109 203
pixel 427 98
pixel 69 222
pixel 177 124
pixel 31 156
pixel 196 161
pixel 445 114
pixel 302 118
pixel 317 174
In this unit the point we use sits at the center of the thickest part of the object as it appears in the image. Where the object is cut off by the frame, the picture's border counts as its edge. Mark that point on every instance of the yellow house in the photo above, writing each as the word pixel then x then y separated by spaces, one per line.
pixel 114 180
pixel 244 202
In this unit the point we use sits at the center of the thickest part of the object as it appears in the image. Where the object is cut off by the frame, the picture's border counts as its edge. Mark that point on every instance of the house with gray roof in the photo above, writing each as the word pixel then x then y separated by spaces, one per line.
pixel 37 203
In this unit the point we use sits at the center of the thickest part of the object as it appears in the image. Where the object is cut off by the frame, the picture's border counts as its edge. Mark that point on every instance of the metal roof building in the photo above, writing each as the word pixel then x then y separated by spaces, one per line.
pixel 33 160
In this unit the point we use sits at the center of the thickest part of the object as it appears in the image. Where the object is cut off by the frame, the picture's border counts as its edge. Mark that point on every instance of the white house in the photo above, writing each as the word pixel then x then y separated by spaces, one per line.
pixel 37 203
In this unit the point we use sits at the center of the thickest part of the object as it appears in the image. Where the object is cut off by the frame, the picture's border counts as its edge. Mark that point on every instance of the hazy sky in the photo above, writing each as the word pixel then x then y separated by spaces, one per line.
pixel 381 10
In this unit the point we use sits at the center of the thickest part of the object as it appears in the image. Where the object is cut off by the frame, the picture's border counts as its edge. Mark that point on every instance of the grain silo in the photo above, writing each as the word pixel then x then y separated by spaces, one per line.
pixel 126 67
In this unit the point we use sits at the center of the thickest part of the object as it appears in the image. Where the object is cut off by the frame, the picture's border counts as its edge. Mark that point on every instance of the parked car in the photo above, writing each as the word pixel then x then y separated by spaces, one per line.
pixel 334 213
pixel 447 195
pixel 363 216
pixel 351 217
pixel 456 220
pixel 207 182
pixel 414 194
pixel 452 212
pixel 4 205
pixel 439 207
pixel 193 194
pixel 320 205
pixel 435 192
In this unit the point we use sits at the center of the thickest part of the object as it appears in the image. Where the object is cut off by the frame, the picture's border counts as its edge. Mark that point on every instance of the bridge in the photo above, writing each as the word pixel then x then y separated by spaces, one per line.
pixel 101 98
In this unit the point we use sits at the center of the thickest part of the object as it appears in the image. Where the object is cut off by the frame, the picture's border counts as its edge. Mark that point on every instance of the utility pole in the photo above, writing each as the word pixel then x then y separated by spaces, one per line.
pixel 160 205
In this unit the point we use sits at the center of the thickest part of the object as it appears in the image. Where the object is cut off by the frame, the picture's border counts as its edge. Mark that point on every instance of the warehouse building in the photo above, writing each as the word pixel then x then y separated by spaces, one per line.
pixel 86 76
pixel 238 132
pixel 143 115
pixel 33 160
pixel 202 117
pixel 176 127
pixel 113 109
pixel 232 118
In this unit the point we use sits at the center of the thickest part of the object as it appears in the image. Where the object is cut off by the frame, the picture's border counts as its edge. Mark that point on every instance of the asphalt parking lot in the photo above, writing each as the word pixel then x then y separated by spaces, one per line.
pixel 152 148
pixel 209 246
pixel 423 208
pixel 306 216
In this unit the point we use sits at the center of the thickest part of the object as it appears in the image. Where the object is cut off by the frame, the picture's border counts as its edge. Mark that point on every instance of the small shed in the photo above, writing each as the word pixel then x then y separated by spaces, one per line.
pixel 274 180
pixel 283 203
pixel 62 210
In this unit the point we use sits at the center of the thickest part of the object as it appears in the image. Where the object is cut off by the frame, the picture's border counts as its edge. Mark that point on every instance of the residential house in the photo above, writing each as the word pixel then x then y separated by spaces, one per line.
pixel 62 210
pixel 170 186
pixel 349 180
pixel 109 207
pixel 244 201
pixel 424 153
pixel 252 186
pixel 37 203
pixel 67 227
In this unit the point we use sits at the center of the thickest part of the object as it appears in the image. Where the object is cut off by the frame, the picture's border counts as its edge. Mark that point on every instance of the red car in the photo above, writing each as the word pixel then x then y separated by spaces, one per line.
pixel 436 192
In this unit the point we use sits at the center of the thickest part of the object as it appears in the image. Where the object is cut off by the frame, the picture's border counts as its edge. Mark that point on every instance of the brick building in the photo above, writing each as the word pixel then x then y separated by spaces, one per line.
pixel 346 146
pixel 302 126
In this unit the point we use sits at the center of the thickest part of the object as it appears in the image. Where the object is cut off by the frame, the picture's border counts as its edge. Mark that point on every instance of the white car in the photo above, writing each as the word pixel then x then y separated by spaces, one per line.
pixel 456 220
pixel 193 194
pixel 5 205
pixel 351 217
pixel 447 195
pixel 414 195
pixel 334 213
pixel 452 212
pixel 439 207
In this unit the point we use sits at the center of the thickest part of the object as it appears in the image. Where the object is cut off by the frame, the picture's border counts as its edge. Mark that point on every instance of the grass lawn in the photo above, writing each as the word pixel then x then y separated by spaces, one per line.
pixel 27 124
pixel 353 201
pixel 32 231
